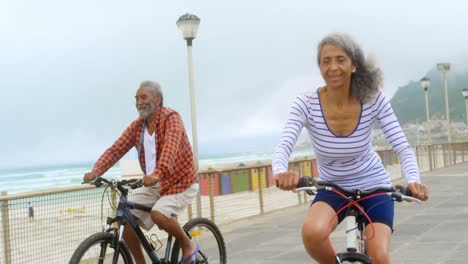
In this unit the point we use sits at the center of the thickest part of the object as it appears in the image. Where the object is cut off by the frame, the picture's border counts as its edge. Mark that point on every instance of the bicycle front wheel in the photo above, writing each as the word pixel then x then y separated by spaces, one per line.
pixel 207 235
pixel 100 248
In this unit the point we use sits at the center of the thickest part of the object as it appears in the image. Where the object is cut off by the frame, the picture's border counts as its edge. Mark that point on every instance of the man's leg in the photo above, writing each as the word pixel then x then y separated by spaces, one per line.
pixel 165 213
pixel 133 244
pixel 172 227
pixel 147 197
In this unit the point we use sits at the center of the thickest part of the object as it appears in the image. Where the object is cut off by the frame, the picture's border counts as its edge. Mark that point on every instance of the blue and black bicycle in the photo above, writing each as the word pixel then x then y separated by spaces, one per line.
pixel 108 246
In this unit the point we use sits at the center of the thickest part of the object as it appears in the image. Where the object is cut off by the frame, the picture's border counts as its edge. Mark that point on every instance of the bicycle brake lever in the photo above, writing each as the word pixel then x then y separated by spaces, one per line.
pixel 136 184
pixel 411 199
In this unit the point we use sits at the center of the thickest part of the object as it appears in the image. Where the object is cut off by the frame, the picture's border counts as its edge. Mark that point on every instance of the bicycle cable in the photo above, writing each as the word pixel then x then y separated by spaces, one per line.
pixel 355 203
pixel 111 204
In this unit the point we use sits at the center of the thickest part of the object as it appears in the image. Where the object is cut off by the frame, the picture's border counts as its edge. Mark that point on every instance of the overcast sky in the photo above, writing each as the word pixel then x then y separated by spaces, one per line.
pixel 69 69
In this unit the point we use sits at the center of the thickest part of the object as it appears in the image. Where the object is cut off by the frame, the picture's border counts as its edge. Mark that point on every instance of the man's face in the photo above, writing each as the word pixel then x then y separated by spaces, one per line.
pixel 146 102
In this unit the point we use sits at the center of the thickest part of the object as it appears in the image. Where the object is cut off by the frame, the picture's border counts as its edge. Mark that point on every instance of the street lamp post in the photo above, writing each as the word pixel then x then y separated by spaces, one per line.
pixel 188 27
pixel 445 68
pixel 465 94
pixel 425 83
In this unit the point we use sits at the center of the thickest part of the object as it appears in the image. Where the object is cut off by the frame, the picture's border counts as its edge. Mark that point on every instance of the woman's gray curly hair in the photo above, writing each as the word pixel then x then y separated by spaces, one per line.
pixel 367 79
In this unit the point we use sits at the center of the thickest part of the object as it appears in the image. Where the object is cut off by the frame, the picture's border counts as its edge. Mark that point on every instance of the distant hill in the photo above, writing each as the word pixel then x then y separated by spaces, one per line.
pixel 409 101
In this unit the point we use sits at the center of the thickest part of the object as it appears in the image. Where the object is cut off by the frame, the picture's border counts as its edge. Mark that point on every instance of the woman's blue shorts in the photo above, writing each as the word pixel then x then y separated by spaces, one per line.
pixel 380 209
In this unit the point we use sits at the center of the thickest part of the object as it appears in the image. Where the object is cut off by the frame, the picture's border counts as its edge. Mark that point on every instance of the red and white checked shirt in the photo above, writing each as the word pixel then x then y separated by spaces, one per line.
pixel 174 157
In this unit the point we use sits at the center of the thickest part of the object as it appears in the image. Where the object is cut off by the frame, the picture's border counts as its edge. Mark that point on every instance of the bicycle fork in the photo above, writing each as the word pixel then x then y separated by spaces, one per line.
pixel 117 245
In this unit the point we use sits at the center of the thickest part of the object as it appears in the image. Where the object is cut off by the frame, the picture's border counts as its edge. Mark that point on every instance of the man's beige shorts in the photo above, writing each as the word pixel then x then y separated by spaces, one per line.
pixel 169 205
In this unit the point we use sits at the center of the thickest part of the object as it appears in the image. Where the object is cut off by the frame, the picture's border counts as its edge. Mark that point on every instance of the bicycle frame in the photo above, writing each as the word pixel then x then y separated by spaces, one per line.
pixel 124 216
pixel 355 232
pixel 356 247
pixel 351 234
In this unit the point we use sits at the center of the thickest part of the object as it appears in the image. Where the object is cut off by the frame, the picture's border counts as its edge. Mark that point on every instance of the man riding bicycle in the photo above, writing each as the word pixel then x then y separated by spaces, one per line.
pixel 166 158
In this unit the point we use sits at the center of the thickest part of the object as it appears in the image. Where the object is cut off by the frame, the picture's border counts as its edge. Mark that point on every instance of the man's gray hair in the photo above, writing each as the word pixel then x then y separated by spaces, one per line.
pixel 367 79
pixel 155 88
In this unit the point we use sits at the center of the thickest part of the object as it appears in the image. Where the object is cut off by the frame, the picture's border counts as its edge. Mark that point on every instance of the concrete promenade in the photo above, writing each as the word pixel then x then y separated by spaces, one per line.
pixel 432 232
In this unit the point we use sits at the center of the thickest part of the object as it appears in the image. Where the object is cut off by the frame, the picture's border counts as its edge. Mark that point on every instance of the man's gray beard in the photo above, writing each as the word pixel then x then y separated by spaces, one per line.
pixel 148 111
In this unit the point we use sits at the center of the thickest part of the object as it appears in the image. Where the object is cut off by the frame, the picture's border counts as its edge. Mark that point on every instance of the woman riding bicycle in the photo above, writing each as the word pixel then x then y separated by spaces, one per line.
pixel 339 118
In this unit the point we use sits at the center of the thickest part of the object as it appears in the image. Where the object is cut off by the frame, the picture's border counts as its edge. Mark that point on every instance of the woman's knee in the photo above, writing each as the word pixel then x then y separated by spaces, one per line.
pixel 314 232
pixel 319 223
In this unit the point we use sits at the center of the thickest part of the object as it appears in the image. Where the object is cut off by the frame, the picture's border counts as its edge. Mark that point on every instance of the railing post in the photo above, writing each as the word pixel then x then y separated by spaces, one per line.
pixel 301 173
pixel 212 211
pixel 6 231
pixel 297 169
pixel 462 147
pixel 417 155
pixel 431 159
pixel 443 153
pixel 454 149
pixel 198 201
pixel 260 191
pixel 189 212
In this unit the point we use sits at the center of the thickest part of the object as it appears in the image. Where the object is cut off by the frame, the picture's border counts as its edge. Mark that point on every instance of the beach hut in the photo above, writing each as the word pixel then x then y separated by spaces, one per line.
pixel 306 168
pixel 240 180
pixel 225 182
pixel 205 183
pixel 254 173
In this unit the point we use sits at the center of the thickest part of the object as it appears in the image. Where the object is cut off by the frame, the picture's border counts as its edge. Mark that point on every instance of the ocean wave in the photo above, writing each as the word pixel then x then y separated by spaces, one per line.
pixel 43 179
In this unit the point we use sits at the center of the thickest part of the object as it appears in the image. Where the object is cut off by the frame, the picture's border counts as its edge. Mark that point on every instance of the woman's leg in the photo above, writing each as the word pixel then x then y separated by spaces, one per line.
pixel 315 232
pixel 378 248
pixel 380 209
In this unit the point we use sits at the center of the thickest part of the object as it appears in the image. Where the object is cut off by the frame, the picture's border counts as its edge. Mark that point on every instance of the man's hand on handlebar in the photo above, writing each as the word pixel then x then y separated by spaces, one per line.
pixel 419 190
pixel 150 180
pixel 89 176
pixel 287 180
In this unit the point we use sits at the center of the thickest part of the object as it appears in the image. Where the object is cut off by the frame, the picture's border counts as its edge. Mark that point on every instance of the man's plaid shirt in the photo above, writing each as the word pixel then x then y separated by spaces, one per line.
pixel 174 157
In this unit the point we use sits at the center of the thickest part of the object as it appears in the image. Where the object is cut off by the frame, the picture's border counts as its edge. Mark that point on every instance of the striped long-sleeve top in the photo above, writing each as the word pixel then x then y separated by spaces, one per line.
pixel 349 161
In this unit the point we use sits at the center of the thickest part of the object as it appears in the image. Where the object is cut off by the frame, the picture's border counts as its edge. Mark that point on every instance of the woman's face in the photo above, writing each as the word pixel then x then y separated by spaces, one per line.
pixel 336 67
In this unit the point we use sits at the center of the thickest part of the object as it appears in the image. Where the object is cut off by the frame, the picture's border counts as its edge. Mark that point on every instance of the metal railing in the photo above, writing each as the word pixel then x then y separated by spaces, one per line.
pixel 64 217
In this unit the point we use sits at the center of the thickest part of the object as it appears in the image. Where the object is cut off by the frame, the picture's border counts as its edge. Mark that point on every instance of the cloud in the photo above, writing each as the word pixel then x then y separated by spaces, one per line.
pixel 70 70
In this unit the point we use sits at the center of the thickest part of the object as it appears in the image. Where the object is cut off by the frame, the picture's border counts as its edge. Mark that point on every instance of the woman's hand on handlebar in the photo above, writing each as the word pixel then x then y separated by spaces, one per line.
pixel 287 180
pixel 419 190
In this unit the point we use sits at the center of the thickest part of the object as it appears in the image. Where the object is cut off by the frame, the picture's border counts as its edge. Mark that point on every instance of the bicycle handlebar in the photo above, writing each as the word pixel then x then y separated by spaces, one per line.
pixel 399 192
pixel 119 184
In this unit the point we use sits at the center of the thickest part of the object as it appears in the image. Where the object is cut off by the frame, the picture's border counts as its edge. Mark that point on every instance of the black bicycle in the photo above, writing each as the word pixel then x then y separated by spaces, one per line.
pixel 108 246
pixel 356 250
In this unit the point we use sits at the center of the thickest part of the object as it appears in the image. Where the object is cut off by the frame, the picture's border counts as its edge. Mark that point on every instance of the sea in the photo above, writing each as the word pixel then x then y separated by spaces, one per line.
pixel 27 179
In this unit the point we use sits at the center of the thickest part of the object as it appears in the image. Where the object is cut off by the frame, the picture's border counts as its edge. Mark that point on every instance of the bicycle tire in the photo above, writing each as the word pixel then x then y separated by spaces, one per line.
pixel 96 241
pixel 354 258
pixel 198 229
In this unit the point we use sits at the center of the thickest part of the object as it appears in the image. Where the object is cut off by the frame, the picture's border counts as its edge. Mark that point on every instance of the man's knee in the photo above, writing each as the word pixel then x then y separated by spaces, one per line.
pixel 158 217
